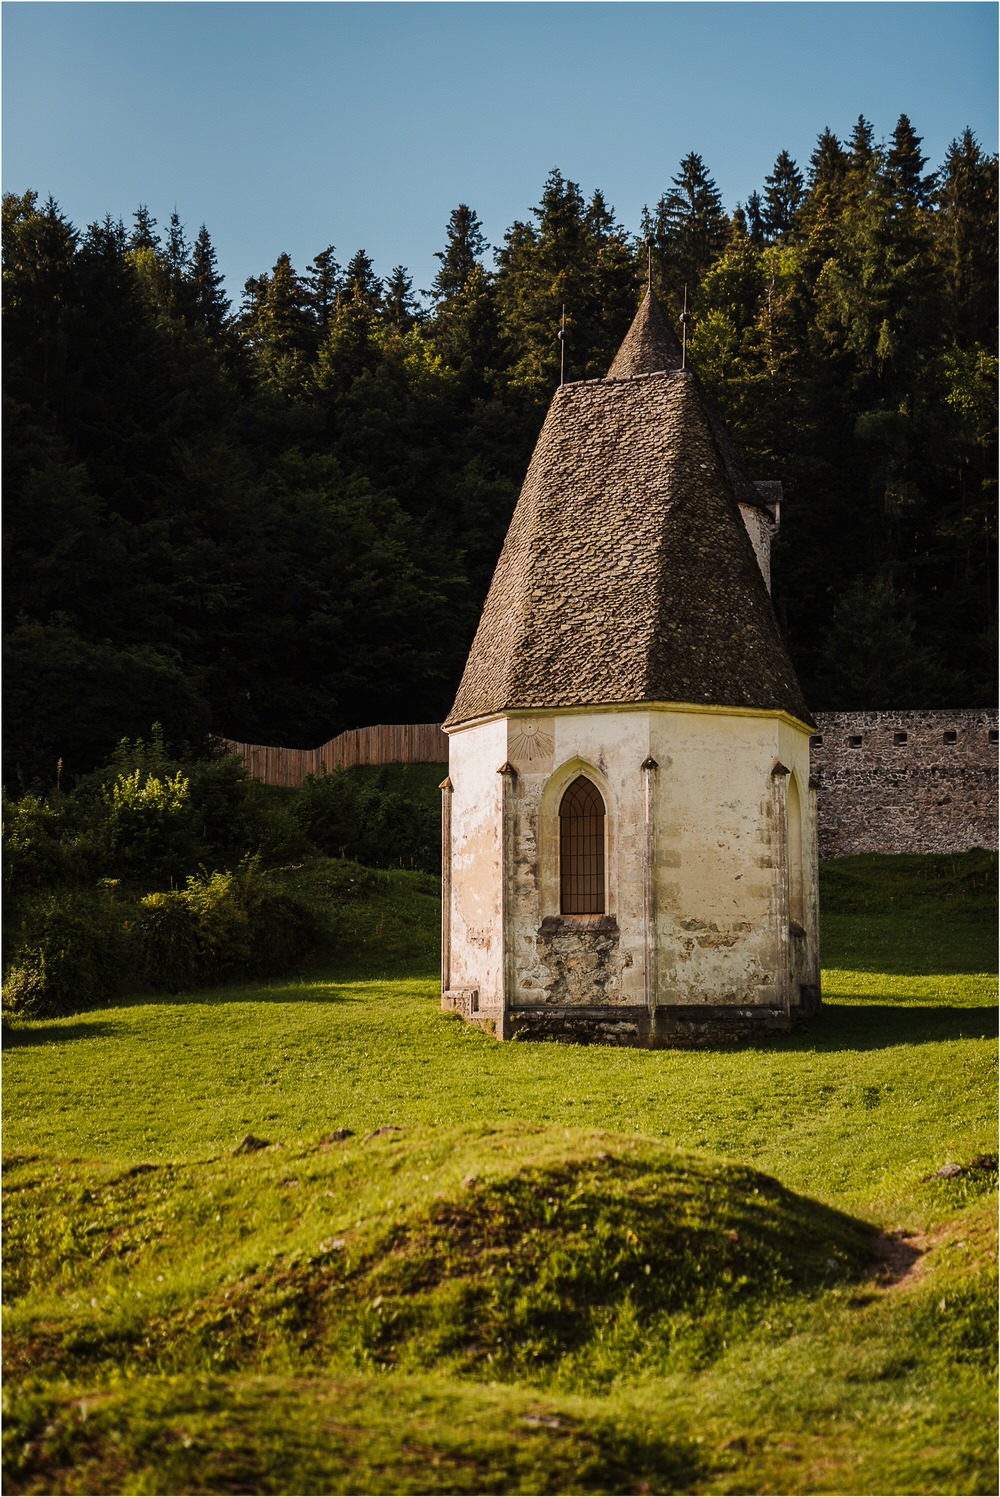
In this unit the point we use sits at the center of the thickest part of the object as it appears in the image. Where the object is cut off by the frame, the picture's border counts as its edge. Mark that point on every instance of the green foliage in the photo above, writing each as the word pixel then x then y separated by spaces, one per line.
pixel 281 524
pixel 146 826
pixel 688 228
pixel 69 700
pixel 71 954
pixel 360 816
pixel 41 844
pixel 222 924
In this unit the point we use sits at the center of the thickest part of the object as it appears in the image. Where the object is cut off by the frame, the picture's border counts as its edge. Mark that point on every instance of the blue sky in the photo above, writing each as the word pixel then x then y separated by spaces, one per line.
pixel 293 126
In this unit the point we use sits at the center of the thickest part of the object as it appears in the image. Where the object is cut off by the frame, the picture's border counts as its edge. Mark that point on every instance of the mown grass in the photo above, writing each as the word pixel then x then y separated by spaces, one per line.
pixel 559 1268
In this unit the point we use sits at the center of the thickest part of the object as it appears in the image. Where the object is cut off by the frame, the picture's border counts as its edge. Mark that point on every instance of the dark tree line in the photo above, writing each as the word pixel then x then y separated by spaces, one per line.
pixel 277 521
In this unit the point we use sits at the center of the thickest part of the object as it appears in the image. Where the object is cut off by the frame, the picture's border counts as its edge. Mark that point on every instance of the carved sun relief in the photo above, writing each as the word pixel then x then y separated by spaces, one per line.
pixel 528 741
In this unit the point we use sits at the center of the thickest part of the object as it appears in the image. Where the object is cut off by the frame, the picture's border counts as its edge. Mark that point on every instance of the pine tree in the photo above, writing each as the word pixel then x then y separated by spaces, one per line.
pixel 144 235
pixel 464 252
pixel 210 305
pixel 276 327
pixel 755 219
pixel 323 282
pixel 578 258
pixel 402 310
pixel 965 229
pixel 784 190
pixel 862 151
pixel 464 327
pixel 352 344
pixel 904 166
pixel 828 163
pixel 689 227
pixel 824 201
pixel 39 251
pixel 177 252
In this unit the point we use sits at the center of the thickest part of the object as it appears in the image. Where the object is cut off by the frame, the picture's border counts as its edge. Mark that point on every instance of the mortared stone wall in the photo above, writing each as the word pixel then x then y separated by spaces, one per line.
pixel 897 782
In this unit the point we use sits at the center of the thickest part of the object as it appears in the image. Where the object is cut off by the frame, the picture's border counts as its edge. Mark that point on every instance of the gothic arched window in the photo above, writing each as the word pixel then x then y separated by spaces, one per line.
pixel 581 849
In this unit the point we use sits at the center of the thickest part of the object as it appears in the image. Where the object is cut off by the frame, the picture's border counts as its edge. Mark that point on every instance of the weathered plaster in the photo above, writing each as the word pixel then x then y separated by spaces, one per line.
pixel 700 879
pixel 761 528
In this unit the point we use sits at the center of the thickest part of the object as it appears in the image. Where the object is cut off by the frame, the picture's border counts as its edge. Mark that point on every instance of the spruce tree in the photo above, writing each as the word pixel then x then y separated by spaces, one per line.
pixel 965 231
pixel 402 310
pixel 784 190
pixel 176 251
pixel 210 305
pixel 144 235
pixel 323 283
pixel 689 227
pixel 575 257
pixel 904 164
pixel 755 219
pixel 276 328
pixel 465 250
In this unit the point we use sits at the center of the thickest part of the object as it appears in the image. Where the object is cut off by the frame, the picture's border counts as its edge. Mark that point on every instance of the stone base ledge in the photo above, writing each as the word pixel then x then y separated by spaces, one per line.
pixel 464 1001
pixel 671 1027
pixel 577 1024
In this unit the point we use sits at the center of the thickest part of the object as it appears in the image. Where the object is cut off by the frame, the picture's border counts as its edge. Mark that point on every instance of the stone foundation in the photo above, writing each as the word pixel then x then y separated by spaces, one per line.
pixel 673 1027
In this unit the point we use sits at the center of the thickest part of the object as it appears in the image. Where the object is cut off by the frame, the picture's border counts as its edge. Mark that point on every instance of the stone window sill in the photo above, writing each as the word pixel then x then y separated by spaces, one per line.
pixel 554 925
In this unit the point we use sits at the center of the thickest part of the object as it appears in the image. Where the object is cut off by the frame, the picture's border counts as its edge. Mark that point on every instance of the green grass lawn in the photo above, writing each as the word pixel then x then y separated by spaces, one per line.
pixel 560 1268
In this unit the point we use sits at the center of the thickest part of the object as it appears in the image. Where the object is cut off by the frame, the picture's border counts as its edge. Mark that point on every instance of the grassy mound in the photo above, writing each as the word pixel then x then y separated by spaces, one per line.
pixel 346 1434
pixel 537 1255
pixel 599 1256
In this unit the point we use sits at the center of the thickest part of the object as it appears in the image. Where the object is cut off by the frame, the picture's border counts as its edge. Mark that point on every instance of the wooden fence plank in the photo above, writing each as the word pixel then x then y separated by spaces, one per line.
pixel 384 743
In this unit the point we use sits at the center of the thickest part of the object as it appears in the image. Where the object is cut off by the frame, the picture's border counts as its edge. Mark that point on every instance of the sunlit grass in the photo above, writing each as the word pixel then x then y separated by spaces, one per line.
pixel 395 1313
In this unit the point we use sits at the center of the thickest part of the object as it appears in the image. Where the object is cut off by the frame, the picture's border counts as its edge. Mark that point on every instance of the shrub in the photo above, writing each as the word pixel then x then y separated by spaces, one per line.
pixel 164 939
pixel 148 833
pixel 235 815
pixel 37 847
pixel 282 928
pixel 356 816
pixel 223 924
pixel 71 955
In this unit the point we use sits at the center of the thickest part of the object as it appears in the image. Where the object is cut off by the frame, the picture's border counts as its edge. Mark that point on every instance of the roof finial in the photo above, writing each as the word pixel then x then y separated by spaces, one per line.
pixel 685 319
pixel 562 348
pixel 649 252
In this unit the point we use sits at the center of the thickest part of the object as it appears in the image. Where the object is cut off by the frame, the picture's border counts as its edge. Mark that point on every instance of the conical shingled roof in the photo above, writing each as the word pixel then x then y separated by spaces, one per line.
pixel 627 575
pixel 650 347
pixel 650 344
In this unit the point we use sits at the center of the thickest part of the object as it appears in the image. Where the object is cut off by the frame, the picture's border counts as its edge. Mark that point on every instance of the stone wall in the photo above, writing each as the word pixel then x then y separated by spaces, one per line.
pixel 905 781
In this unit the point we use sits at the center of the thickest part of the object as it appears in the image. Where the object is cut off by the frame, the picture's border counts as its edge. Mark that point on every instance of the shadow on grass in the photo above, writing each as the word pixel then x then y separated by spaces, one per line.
pixel 347 985
pixel 847 1024
pixel 43 1033
pixel 910 946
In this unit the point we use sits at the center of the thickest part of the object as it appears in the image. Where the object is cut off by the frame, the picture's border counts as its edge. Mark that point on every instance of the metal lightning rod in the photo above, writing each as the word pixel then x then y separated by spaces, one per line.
pixel 685 319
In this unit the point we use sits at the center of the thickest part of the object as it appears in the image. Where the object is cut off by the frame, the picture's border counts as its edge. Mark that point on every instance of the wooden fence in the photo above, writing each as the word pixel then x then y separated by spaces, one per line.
pixel 393 743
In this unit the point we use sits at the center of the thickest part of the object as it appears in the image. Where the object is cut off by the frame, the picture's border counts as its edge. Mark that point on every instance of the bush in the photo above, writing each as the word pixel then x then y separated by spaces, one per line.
pixel 72 954
pixel 235 815
pixel 222 925
pixel 165 945
pixel 42 847
pixel 148 834
pixel 357 816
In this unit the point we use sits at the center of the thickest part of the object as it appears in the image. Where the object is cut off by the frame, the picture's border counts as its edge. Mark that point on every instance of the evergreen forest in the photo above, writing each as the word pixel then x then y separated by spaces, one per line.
pixel 277 520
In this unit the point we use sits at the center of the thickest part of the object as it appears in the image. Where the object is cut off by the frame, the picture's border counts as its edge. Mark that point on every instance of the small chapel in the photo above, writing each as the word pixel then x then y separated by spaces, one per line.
pixel 628 830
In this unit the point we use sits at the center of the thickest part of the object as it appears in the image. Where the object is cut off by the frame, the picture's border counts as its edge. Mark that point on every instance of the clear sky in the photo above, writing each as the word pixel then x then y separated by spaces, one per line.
pixel 288 126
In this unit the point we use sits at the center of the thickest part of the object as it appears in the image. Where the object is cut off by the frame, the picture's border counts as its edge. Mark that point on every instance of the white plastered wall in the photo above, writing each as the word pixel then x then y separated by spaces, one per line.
pixel 711 925
pixel 475 895
pixel 721 856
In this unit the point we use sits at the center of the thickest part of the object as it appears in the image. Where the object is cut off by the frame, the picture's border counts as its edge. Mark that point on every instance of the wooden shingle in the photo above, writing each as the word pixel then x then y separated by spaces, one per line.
pixel 627 575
